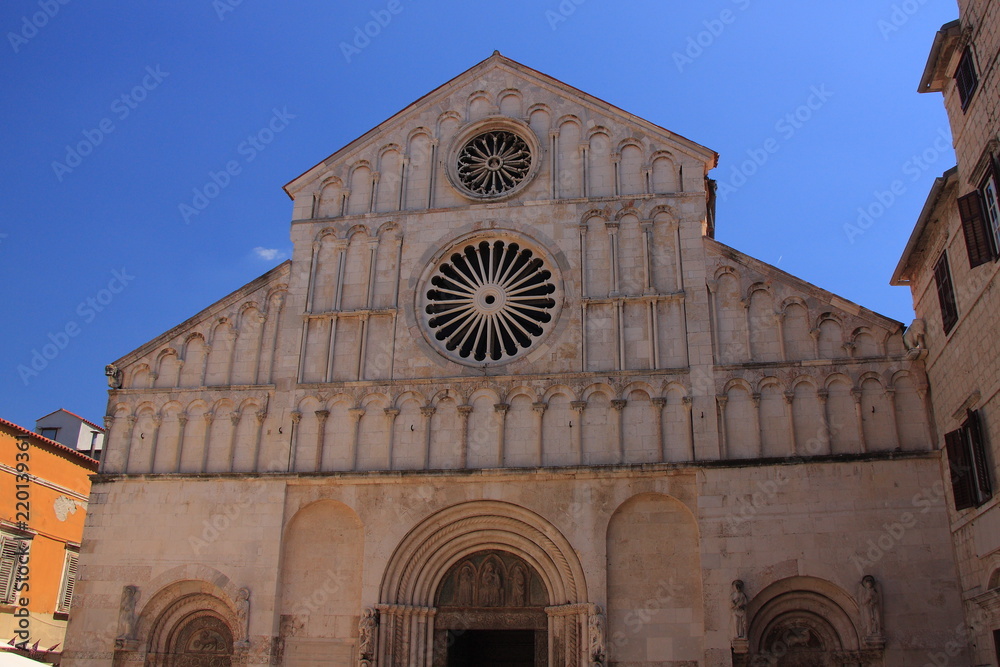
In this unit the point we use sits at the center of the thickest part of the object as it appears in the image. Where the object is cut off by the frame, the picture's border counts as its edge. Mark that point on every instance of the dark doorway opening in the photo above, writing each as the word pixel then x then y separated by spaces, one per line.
pixel 491 648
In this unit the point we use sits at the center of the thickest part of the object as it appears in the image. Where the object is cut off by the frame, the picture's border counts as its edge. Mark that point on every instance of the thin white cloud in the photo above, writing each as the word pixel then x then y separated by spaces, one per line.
pixel 268 254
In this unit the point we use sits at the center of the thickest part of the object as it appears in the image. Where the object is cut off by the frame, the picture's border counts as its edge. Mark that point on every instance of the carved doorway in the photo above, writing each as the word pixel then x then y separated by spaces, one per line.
pixel 491 613
pixel 204 641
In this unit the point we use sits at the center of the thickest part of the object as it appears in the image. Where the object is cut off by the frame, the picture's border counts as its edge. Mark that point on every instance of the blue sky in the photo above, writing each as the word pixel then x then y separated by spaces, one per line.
pixel 815 101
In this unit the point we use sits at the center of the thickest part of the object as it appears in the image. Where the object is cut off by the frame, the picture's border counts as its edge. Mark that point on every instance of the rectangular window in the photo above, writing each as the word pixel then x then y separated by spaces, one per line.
pixel 946 293
pixel 49 433
pixel 990 191
pixel 970 474
pixel 68 581
pixel 12 550
pixel 965 78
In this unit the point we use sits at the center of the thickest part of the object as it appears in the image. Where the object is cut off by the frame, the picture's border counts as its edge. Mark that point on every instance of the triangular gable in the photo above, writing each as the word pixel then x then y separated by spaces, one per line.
pixel 273 276
pixel 498 61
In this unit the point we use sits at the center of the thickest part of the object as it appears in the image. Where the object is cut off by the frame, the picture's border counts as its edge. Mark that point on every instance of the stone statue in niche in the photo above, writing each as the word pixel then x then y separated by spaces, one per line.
pixel 490 586
pixel 367 634
pixel 738 601
pixel 518 587
pixel 871 606
pixel 126 617
pixel 115 376
pixel 466 584
pixel 243 616
pixel 597 635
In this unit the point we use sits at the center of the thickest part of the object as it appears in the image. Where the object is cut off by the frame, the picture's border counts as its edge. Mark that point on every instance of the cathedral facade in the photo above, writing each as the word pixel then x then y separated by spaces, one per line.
pixel 511 403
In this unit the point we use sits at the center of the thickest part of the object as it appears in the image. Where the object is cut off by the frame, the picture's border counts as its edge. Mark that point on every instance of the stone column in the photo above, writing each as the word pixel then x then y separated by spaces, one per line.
pixel 261 416
pixel 539 409
pixel 209 418
pixel 321 417
pixel 182 419
pixel 856 393
pixel 612 228
pixel 619 407
pixel 501 409
pixel 313 261
pixel 688 405
pixel 234 419
pixel 658 405
pixel 262 321
pixel 647 267
pixel 616 167
pixel 890 395
pixel 824 398
pixel 390 415
pixel 294 440
pixel 755 397
pixel 356 415
pixel 578 407
pixel 463 413
pixel 157 421
pixel 109 422
pixel 583 261
pixel 428 413
pixel 721 401
pixel 790 413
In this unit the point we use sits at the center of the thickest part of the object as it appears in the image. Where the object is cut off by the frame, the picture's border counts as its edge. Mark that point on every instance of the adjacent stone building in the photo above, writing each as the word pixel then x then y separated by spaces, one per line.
pixel 951 267
pixel 510 402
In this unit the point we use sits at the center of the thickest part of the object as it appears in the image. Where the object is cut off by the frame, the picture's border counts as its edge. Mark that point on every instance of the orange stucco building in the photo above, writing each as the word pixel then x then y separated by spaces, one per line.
pixel 44 488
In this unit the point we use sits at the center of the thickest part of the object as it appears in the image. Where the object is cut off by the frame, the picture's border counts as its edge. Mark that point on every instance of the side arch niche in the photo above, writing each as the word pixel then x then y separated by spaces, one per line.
pixel 189 624
pixel 489 567
pixel 806 622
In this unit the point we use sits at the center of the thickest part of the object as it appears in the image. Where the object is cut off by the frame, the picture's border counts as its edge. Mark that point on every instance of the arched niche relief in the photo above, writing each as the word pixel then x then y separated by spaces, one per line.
pixel 805 622
pixel 491 601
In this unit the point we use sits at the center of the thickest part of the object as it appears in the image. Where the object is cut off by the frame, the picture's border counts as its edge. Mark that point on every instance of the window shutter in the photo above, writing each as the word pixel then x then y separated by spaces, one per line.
pixel 975 433
pixel 961 470
pixel 69 581
pixel 977 235
pixel 946 293
pixel 8 564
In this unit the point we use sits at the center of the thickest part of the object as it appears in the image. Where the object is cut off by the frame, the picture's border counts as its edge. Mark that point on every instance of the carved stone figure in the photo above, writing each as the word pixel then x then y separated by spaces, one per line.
pixel 243 614
pixel 597 632
pixel 126 613
pixel 367 633
pixel 115 376
pixel 914 335
pixel 490 590
pixel 738 601
pixel 871 606
pixel 466 584
pixel 518 587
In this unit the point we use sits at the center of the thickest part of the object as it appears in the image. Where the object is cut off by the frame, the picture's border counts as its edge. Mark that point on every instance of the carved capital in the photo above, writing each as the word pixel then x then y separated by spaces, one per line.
pixel 465 410
pixel 428 411
pixel 755 397
pixel 823 395
pixel 157 420
pixel 182 420
pixel 579 406
pixel 688 403
pixel 502 408
pixel 583 230
pixel 539 406
pixel 322 415
pixel 296 417
pixel 722 400
pixel 789 397
pixel 646 226
pixel 109 420
pixel 356 414
pixel 131 420
pixel 209 417
pixel 235 418
pixel 619 404
pixel 612 227
pixel 856 393
pixel 391 413
pixel 261 416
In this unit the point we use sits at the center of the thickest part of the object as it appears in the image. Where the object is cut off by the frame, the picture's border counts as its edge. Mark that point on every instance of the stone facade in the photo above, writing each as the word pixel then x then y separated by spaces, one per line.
pixel 509 391
pixel 963 350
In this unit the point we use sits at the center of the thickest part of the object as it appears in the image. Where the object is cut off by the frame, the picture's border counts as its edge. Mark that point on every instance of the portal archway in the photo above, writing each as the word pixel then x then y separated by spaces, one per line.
pixel 477 541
